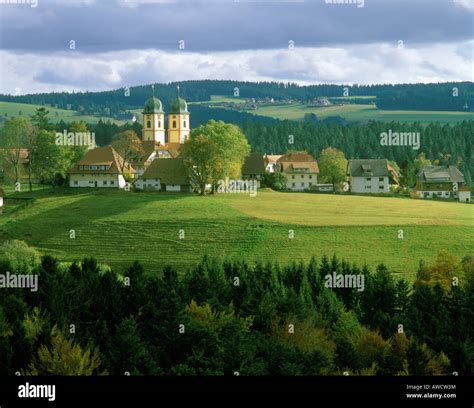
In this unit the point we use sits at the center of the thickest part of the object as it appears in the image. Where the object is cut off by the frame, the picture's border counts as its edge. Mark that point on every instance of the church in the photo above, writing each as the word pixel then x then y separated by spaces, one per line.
pixel 154 122
pixel 161 169
pixel 158 169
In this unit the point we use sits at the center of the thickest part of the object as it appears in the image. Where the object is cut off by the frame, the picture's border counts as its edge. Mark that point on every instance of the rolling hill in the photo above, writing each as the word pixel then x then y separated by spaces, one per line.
pixel 118 227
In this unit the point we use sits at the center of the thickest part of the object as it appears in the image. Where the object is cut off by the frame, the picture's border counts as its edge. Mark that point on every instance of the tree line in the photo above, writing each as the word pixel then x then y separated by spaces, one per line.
pixel 449 96
pixel 223 317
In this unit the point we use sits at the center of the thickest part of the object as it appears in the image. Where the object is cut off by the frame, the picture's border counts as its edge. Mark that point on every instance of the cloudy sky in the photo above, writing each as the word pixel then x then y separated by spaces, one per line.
pixel 65 45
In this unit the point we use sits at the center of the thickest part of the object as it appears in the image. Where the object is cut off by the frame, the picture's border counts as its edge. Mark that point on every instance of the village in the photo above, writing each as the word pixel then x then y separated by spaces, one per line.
pixel 161 168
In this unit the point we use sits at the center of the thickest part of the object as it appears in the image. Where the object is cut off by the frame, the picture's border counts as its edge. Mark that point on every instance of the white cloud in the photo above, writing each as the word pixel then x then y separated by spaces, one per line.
pixel 467 4
pixel 363 64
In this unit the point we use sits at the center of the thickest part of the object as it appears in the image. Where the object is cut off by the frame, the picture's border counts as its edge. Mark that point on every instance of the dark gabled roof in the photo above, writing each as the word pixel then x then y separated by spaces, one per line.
pixel 367 168
pixel 298 162
pixel 254 164
pixel 168 170
pixel 440 174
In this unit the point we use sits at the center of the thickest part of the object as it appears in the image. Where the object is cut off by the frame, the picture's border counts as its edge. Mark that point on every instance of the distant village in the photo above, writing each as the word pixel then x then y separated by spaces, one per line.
pixel 162 169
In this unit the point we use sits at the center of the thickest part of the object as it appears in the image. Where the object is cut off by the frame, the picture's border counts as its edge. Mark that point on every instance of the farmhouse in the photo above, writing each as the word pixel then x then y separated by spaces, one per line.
pixel 169 174
pixel 100 167
pixel 442 182
pixel 301 170
pixel 370 175
pixel 254 167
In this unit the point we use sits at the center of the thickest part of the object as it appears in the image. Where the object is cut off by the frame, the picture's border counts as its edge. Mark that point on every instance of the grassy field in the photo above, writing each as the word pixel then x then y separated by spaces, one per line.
pixel 55 115
pixel 118 227
pixel 362 113
pixel 352 113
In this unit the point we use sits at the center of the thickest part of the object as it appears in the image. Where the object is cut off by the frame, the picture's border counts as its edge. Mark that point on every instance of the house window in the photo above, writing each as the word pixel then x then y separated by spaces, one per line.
pixel 380 187
pixel 310 184
pixel 310 176
pixel 292 184
pixel 380 178
pixel 105 182
pixel 302 184
pixel 112 183
pixel 93 167
pixel 302 176
pixel 76 182
pixel 159 123
pixel 439 193
pixel 174 124
pixel 369 179
pixel 184 124
pixel 293 177
pixel 368 187
pixel 148 123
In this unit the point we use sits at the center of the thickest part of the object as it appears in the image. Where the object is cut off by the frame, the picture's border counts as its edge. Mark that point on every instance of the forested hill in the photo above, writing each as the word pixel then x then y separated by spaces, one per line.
pixel 445 143
pixel 451 96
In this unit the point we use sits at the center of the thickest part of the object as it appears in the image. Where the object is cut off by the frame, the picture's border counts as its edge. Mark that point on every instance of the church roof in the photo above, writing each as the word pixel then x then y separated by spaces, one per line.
pixel 153 105
pixel 179 105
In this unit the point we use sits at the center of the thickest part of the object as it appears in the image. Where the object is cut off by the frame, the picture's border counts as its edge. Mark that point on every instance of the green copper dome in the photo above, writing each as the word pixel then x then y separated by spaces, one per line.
pixel 153 105
pixel 178 106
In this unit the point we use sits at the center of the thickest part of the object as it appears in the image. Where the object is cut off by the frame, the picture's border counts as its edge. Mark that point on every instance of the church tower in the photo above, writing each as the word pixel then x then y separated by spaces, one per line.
pixel 178 121
pixel 153 120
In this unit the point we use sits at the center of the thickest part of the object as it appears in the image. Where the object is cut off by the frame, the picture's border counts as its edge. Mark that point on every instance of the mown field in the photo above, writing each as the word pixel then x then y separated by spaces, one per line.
pixel 362 113
pixel 352 113
pixel 119 227
pixel 12 109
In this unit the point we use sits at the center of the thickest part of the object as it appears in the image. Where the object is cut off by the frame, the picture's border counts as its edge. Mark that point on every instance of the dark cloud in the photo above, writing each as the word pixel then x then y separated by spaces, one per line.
pixel 228 26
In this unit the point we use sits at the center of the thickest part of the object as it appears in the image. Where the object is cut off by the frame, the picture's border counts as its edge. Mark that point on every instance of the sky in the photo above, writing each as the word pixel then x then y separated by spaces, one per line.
pixel 92 45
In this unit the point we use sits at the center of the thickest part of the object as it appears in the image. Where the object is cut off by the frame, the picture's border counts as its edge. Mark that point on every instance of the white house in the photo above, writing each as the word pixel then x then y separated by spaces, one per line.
pixel 102 168
pixel 166 174
pixel 369 176
pixel 442 182
pixel 2 195
pixel 301 170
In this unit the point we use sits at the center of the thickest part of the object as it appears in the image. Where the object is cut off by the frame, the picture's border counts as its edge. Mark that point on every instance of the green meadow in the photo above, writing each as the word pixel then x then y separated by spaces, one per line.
pixel 12 109
pixel 362 113
pixel 118 227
